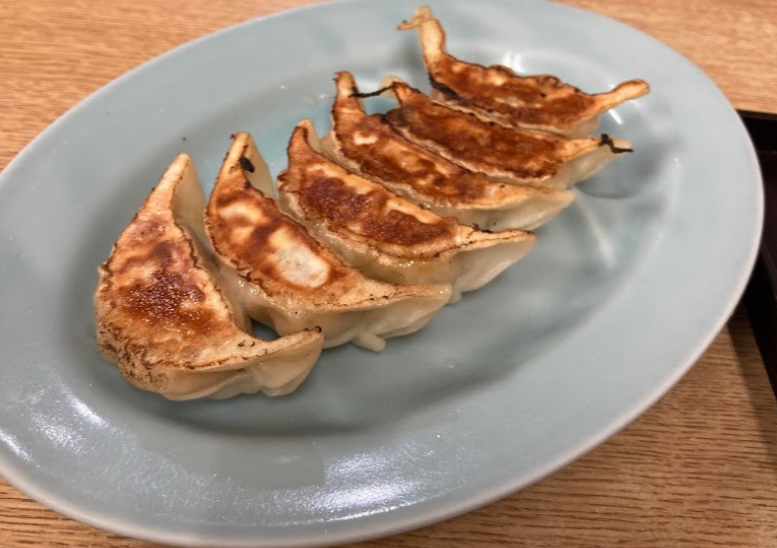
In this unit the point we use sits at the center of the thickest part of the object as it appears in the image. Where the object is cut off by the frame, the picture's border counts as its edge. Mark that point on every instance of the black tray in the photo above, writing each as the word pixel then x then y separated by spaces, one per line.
pixel 761 294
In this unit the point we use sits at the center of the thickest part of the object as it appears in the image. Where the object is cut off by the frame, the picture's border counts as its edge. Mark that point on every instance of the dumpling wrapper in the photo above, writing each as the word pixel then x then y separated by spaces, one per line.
pixel 504 155
pixel 162 317
pixel 540 102
pixel 383 235
pixel 368 146
pixel 287 280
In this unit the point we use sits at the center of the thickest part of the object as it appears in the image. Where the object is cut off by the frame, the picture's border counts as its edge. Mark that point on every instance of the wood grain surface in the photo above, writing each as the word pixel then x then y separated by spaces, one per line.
pixel 698 469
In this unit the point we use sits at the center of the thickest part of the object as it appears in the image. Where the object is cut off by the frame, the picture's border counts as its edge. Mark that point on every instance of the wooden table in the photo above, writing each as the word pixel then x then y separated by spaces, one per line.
pixel 698 469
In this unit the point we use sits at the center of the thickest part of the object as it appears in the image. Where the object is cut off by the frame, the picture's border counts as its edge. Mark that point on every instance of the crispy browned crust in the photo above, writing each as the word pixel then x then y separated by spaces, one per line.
pixel 246 229
pixel 523 156
pixel 160 314
pixel 377 151
pixel 386 236
pixel 354 206
pixel 539 102
pixel 368 145
pixel 251 235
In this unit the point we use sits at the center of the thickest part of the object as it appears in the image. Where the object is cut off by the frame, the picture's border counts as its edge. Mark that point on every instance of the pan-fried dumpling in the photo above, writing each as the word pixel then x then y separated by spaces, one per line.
pixel 368 146
pixel 289 281
pixel 383 235
pixel 162 317
pixel 497 93
pixel 503 154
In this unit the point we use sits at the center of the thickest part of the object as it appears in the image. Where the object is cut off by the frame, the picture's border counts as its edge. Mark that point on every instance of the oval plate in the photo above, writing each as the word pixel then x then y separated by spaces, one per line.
pixel 621 295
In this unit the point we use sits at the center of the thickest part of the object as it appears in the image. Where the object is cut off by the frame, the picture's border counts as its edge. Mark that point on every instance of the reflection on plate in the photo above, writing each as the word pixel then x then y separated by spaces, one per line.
pixel 622 293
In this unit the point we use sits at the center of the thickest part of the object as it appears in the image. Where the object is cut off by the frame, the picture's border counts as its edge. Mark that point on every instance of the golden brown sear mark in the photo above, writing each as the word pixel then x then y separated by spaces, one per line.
pixel 166 296
pixel 526 155
pixel 343 208
pixel 155 284
pixel 324 193
pixel 521 102
pixel 422 173
pixel 253 254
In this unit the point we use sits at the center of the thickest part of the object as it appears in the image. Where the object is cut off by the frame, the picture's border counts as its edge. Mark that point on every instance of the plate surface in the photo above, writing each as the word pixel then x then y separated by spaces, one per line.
pixel 621 295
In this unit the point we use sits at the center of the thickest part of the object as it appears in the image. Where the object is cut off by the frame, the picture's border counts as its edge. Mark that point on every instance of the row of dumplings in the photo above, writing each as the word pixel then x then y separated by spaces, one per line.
pixel 377 226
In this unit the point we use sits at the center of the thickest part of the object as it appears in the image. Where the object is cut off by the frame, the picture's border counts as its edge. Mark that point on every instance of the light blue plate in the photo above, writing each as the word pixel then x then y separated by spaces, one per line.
pixel 621 295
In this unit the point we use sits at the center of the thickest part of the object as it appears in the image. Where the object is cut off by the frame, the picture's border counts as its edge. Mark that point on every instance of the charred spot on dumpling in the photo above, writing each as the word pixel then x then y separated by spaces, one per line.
pixel 247 164
pixel 444 89
pixel 375 93
pixel 605 139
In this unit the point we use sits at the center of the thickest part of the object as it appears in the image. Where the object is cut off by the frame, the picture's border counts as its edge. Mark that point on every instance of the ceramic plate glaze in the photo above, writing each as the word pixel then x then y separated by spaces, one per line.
pixel 622 293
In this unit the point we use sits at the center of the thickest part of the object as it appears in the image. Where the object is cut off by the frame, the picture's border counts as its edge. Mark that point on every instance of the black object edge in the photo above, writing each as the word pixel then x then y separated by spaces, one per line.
pixel 760 297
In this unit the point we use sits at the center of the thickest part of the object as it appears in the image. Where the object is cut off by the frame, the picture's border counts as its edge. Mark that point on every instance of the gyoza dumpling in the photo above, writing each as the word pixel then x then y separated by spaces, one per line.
pixel 162 317
pixel 289 281
pixel 368 146
pixel 386 236
pixel 497 93
pixel 503 154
